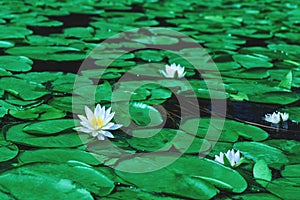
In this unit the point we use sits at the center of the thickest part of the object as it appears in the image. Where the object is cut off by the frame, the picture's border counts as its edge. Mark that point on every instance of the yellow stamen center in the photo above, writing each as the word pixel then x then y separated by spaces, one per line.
pixel 97 122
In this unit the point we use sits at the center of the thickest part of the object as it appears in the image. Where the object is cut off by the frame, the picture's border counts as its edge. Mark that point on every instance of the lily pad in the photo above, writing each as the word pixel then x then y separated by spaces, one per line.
pixel 41 187
pixel 24 89
pixel 42 112
pixel 15 63
pixel 294 113
pixel 57 53
pixel 163 140
pixel 230 131
pixel 190 173
pixel 141 114
pixel 16 135
pixel 259 151
pixel 81 175
pixel 49 127
pixel 59 155
pixel 13 32
pixel 262 173
pixel 8 151
pixel 284 188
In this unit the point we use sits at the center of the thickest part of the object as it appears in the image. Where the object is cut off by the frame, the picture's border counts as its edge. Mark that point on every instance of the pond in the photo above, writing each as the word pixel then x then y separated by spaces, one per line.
pixel 149 99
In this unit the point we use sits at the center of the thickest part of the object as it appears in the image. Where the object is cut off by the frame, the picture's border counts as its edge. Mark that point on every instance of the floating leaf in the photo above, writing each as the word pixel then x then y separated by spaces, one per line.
pixel 286 82
pixel 61 155
pixel 165 139
pixel 7 151
pixel 188 171
pixel 13 32
pixel 81 175
pixel 262 173
pixel 229 132
pixel 42 112
pixel 15 63
pixel 156 40
pixel 24 89
pixel 284 188
pixel 49 127
pixel 141 114
pixel 41 187
pixel 16 135
pixel 57 53
pixel 248 61
pixel 259 151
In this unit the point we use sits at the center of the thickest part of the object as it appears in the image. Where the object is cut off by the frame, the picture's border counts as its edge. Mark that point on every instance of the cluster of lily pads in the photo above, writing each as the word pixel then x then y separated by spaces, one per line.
pixel 46 154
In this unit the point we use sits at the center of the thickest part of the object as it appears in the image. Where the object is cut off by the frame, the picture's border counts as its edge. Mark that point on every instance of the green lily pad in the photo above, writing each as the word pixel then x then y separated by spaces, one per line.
pixel 259 151
pixel 261 196
pixel 149 55
pixel 190 173
pixel 262 173
pixel 284 189
pixel 41 187
pixel 156 40
pixel 15 63
pixel 141 114
pixel 230 131
pixel 42 112
pixel 292 172
pixel 49 127
pixel 81 175
pixel 6 44
pixel 59 155
pixel 16 135
pixel 57 53
pixel 13 32
pixel 282 98
pixel 7 151
pixel 294 113
pixel 133 193
pixel 79 32
pixel 3 111
pixel 165 139
pixel 40 77
pixel 22 88
pixel 287 80
pixel 249 61
pixel 252 73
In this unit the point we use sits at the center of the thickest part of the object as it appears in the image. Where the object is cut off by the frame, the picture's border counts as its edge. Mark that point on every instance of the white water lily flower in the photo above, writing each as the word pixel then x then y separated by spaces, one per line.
pixel 173 71
pixel 284 116
pixel 276 117
pixel 98 123
pixel 232 157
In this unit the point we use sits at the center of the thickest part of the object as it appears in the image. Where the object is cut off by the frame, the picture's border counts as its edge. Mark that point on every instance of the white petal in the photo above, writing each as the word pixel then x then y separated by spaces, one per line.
pixel 112 126
pixel 100 137
pixel 109 117
pixel 86 124
pixel 230 157
pixel 107 112
pixel 89 114
pixel 82 118
pixel 237 156
pixel 107 134
pixel 220 158
pixel 82 129
pixel 97 110
pixel 95 133
pixel 170 71
pixel 102 113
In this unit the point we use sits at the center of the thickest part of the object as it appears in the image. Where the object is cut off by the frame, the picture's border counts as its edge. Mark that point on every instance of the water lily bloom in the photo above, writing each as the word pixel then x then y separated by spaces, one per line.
pixel 97 123
pixel 276 117
pixel 232 157
pixel 173 71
